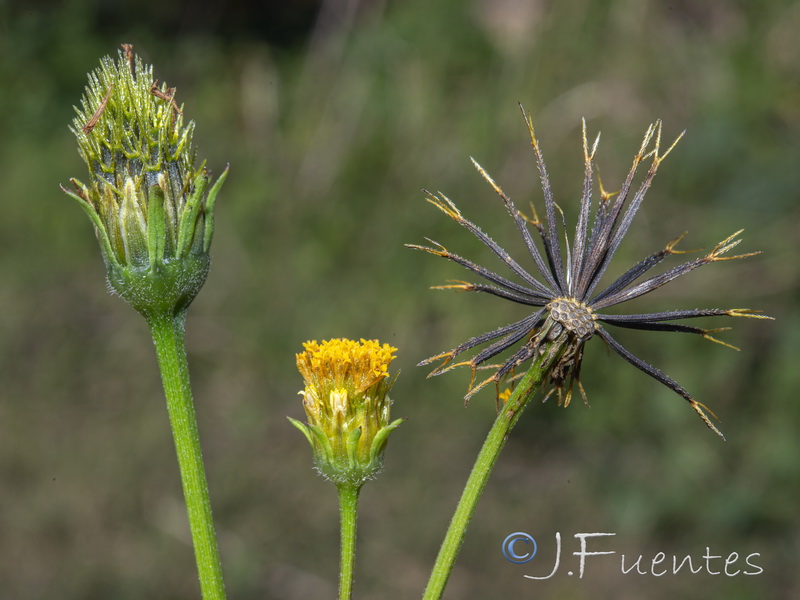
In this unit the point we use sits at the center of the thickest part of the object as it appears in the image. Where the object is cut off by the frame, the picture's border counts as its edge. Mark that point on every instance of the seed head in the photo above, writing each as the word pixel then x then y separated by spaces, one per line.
pixel 562 285
pixel 151 206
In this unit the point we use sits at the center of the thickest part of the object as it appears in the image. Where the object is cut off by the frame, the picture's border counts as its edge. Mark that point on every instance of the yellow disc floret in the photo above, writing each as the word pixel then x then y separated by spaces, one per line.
pixel 345 363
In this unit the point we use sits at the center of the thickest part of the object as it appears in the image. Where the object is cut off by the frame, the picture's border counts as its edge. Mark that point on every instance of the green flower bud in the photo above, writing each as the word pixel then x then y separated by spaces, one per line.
pixel 152 209
pixel 347 406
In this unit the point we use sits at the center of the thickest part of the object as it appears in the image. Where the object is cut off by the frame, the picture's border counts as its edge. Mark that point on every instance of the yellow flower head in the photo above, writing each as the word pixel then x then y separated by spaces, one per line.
pixel 346 402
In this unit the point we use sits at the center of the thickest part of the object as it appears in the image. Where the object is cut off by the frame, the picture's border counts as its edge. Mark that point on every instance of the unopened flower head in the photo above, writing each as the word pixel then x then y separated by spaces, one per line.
pixel 562 290
pixel 151 206
pixel 347 405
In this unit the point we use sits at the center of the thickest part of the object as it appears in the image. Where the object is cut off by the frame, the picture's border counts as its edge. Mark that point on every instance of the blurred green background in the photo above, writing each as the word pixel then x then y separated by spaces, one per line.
pixel 332 115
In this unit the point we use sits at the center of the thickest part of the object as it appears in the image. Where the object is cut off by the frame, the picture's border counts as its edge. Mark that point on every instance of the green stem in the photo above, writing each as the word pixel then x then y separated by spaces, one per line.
pixel 348 515
pixel 487 457
pixel 168 337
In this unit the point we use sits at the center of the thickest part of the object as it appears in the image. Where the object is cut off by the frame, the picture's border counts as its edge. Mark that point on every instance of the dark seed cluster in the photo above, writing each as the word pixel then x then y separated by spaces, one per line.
pixel 564 285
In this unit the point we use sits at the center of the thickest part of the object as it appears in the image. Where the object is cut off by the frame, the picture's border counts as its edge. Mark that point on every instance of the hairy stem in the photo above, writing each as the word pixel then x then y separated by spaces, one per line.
pixel 348 512
pixel 487 457
pixel 168 337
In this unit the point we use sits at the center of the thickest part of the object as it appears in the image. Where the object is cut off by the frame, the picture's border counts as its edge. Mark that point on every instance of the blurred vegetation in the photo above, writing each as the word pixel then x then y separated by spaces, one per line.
pixel 333 114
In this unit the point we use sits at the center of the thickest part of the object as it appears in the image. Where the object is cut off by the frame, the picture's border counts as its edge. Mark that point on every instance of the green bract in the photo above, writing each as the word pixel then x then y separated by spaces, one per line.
pixel 152 209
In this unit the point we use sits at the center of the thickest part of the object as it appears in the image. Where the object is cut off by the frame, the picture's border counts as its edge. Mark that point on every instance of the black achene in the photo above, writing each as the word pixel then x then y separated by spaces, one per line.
pixel 563 288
